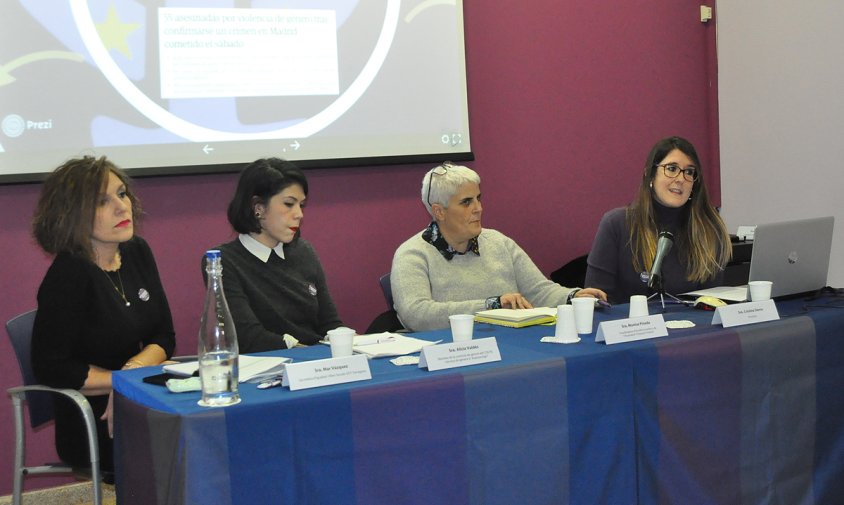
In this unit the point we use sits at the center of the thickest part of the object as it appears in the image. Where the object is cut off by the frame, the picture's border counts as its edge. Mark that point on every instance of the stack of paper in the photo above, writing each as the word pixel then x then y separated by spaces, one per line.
pixel 518 318
pixel 371 338
pixel 729 293
pixel 249 367
pixel 397 345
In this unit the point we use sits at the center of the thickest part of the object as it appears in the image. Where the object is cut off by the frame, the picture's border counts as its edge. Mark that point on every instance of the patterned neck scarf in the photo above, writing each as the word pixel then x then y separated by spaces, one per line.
pixel 433 236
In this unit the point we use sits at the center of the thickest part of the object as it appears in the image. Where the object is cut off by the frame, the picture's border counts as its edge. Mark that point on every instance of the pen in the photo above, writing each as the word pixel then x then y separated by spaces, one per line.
pixel 270 383
pixel 371 340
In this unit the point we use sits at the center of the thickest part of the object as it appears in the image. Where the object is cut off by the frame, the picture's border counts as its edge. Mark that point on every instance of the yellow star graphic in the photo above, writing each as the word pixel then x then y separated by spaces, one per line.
pixel 114 33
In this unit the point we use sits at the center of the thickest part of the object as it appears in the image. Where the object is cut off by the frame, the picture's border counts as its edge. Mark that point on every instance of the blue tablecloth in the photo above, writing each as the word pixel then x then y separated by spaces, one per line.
pixel 705 415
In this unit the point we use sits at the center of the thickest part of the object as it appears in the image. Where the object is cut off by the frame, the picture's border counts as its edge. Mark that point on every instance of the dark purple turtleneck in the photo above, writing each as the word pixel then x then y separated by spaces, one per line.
pixel 611 259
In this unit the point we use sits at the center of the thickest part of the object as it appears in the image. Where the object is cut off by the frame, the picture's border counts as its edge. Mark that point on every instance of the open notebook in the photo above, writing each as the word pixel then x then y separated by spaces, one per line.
pixel 794 255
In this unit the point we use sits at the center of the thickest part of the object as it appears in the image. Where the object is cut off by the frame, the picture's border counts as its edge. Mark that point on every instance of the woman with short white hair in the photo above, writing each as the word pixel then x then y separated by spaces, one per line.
pixel 454 266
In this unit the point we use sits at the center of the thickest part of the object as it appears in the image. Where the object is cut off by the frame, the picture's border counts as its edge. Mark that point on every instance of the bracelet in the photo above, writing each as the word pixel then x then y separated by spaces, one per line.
pixel 138 363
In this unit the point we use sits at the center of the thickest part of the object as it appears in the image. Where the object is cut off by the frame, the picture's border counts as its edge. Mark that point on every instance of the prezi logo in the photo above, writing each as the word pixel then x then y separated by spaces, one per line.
pixel 13 125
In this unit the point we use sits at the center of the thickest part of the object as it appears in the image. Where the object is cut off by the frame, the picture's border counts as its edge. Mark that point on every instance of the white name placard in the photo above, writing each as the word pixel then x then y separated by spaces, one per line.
pixel 326 372
pixel 746 313
pixel 457 354
pixel 631 329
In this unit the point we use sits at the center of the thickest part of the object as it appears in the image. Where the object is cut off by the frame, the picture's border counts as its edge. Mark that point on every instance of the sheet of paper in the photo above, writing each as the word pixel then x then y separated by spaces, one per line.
pixel 370 338
pixel 399 346
pixel 374 338
pixel 728 293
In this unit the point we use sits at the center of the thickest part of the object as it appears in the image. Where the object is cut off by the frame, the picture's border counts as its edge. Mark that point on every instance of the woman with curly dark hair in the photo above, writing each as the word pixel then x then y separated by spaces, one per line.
pixel 101 306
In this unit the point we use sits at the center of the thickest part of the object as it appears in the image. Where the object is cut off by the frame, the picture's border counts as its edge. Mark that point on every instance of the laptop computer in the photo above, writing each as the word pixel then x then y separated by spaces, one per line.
pixel 794 255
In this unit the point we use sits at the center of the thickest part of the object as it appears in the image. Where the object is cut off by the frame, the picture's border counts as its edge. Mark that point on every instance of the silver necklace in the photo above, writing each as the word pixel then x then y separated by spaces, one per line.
pixel 120 290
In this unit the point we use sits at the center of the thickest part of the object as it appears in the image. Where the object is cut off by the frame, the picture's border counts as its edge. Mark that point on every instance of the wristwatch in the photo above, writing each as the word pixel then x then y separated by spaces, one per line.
pixel 493 302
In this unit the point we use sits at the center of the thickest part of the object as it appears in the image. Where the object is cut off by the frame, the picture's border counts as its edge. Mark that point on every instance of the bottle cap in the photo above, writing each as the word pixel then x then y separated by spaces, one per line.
pixel 212 254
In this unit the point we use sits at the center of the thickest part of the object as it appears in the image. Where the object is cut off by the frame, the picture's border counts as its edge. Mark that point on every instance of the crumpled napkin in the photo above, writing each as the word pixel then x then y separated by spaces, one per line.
pixel 405 360
pixel 557 340
pixel 184 385
pixel 680 323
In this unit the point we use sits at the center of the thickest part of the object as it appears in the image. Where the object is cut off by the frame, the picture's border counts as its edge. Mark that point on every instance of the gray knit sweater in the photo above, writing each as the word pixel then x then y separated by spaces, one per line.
pixel 427 288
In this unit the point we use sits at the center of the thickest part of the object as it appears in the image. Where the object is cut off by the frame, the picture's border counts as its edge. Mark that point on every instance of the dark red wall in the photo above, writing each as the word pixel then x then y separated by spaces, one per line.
pixel 566 99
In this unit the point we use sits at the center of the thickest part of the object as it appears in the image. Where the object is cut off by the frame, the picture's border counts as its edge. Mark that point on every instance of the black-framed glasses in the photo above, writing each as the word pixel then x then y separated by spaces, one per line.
pixel 440 170
pixel 672 170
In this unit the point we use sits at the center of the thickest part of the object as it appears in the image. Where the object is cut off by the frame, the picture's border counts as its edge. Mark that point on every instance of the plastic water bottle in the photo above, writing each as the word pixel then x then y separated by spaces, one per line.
pixel 217 351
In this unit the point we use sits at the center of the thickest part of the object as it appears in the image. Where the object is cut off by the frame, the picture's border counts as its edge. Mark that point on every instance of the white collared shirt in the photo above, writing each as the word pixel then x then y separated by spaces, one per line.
pixel 258 249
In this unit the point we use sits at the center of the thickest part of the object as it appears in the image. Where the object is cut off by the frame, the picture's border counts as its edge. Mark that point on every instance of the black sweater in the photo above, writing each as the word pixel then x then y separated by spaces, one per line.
pixel 82 320
pixel 280 296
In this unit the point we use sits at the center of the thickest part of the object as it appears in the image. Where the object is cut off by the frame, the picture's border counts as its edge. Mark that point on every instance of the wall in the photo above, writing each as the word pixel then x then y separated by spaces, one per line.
pixel 566 99
pixel 782 114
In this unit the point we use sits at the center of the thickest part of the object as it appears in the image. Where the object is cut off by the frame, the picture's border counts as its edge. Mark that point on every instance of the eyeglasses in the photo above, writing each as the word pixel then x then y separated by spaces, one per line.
pixel 440 170
pixel 672 170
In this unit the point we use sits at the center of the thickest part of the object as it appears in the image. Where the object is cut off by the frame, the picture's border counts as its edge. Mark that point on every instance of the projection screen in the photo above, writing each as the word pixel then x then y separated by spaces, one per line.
pixel 170 87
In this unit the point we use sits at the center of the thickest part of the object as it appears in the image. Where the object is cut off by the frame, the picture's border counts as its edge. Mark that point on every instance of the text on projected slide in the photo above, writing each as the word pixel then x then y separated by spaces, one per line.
pixel 238 53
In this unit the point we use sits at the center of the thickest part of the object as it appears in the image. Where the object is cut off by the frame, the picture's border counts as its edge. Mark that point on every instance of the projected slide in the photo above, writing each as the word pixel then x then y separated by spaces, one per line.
pixel 161 85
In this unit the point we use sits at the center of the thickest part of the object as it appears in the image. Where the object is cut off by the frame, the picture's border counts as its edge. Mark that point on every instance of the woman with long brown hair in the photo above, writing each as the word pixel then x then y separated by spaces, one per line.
pixel 672 197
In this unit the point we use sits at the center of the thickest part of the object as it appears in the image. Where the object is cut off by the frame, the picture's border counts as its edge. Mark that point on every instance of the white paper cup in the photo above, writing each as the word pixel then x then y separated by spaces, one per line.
pixel 759 290
pixel 461 327
pixel 638 306
pixel 565 329
pixel 584 308
pixel 341 340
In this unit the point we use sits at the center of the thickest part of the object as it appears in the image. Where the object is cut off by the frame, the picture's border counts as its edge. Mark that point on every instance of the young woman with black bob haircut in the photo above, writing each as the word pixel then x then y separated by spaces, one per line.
pixel 274 283
pixel 101 306
pixel 672 197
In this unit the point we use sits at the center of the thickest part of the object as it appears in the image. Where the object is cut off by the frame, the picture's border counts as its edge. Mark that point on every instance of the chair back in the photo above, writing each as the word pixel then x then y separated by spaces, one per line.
pixel 40 404
pixel 384 280
pixel 385 321
pixel 572 274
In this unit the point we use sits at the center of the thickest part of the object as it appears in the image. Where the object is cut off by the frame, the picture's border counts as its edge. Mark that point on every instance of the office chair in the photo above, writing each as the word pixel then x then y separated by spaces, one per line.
pixel 388 320
pixel 572 274
pixel 40 405
pixel 384 280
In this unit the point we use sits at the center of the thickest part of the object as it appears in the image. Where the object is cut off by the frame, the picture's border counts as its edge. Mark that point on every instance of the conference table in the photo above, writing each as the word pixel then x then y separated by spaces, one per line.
pixel 705 415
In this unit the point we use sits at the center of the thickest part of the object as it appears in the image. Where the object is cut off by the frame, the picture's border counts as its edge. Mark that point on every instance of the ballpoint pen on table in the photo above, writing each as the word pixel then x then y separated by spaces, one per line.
pixel 270 383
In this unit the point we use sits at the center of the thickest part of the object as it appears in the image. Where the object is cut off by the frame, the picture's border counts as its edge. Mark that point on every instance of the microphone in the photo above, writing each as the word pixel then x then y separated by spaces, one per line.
pixel 663 246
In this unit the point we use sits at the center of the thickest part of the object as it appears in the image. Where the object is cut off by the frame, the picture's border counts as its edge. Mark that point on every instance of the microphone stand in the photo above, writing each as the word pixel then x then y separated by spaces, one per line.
pixel 660 290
